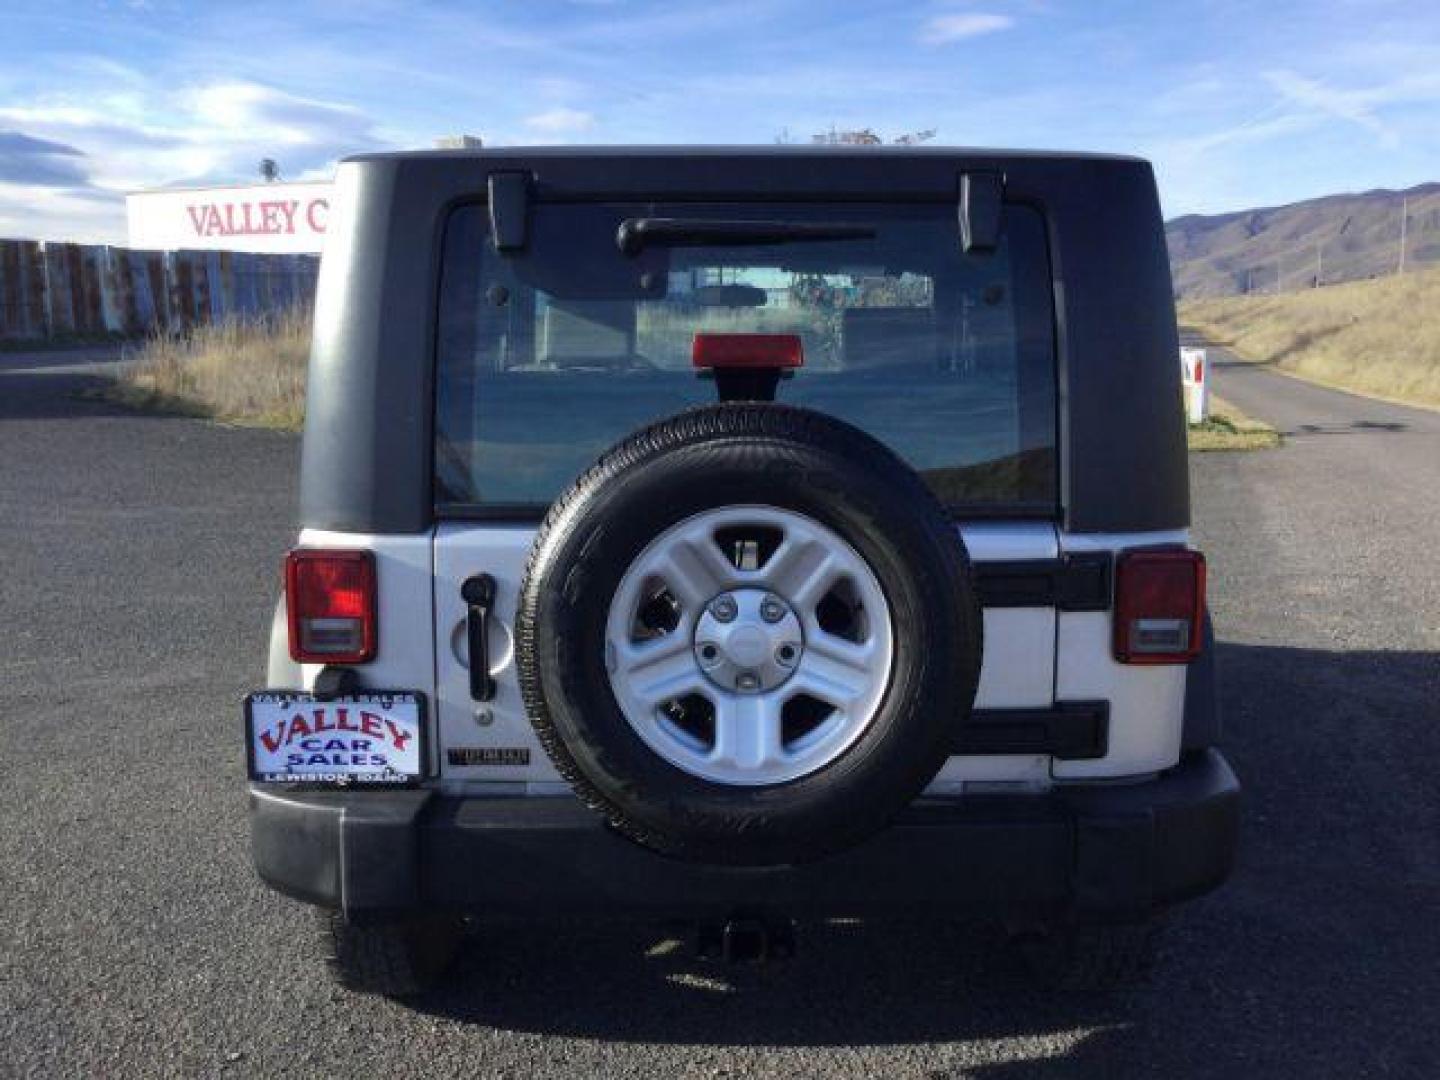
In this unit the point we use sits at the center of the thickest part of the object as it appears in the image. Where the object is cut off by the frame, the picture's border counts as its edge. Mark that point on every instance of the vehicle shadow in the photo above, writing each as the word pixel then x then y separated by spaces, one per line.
pixel 1356 427
pixel 62 395
pixel 34 359
pixel 1222 364
pixel 1320 956
pixel 1302 341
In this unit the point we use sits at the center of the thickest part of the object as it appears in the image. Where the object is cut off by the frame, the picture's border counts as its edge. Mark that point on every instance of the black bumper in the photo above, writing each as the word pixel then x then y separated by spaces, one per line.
pixel 1117 851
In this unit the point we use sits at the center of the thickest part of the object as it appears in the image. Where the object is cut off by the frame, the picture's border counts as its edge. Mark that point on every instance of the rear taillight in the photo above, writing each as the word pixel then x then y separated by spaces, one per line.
pixel 1159 606
pixel 330 596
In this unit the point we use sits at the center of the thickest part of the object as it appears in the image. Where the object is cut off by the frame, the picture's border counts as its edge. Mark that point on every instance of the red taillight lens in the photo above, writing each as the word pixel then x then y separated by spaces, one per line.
pixel 1159 606
pixel 330 597
pixel 747 351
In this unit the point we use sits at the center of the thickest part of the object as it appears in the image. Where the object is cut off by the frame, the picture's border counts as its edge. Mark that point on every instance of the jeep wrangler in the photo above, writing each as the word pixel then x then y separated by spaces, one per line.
pixel 741 535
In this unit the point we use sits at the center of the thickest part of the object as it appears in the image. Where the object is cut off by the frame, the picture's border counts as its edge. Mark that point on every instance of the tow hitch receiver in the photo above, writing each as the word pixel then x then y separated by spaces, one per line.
pixel 746 938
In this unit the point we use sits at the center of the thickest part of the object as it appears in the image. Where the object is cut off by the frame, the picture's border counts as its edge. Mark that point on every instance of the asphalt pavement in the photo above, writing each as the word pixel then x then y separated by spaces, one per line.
pixel 139 559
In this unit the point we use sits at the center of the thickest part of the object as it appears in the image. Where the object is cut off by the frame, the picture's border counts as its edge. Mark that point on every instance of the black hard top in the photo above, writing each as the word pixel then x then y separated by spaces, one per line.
pixel 671 152
pixel 769 171
pixel 368 440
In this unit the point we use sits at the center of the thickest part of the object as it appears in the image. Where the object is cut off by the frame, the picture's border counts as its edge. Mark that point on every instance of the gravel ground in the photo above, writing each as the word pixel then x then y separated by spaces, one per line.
pixel 138 563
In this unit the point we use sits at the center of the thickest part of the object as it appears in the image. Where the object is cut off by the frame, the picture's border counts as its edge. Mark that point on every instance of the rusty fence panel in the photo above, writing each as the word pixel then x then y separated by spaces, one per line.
pixel 181 289
pixel 87 271
pixel 60 290
pixel 59 310
pixel 72 290
pixel 22 290
pixel 269 284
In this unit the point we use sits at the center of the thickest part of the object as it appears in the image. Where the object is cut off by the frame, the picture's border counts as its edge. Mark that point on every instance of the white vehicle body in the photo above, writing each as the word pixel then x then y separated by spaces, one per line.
pixel 1033 657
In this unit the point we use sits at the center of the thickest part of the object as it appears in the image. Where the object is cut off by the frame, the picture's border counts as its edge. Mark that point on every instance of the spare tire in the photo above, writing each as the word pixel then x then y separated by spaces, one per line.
pixel 748 635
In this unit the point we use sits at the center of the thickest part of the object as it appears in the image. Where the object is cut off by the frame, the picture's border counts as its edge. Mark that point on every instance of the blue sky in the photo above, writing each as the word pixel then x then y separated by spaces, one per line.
pixel 1238 104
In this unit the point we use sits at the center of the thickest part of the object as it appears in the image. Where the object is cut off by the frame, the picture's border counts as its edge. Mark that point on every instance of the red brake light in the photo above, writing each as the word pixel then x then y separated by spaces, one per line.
pixel 747 351
pixel 330 598
pixel 1159 606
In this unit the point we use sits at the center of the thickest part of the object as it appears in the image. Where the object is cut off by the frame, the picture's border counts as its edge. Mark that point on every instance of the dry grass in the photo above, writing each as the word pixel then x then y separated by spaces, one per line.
pixel 242 371
pixel 1379 337
pixel 1230 429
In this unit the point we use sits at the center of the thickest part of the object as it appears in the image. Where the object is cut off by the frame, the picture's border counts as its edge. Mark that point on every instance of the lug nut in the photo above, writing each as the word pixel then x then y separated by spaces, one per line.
pixel 746 681
pixel 724 608
pixel 709 653
pixel 772 609
pixel 785 655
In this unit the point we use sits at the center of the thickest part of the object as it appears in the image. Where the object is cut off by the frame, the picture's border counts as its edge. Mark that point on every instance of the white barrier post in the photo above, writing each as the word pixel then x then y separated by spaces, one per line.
pixel 1195 375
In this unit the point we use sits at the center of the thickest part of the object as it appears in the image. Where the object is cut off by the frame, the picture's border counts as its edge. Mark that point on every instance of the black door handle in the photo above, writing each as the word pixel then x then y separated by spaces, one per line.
pixel 478 592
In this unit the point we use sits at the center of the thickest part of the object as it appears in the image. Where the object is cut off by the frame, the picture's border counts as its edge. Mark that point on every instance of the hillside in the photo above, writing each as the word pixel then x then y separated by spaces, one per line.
pixel 1345 237
pixel 1378 337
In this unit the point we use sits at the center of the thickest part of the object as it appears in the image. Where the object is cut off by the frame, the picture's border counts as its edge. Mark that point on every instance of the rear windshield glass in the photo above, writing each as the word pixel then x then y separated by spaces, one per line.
pixel 549 355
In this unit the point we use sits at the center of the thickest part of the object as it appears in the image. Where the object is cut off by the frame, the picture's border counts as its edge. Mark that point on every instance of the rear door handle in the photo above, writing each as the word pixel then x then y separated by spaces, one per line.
pixel 478 592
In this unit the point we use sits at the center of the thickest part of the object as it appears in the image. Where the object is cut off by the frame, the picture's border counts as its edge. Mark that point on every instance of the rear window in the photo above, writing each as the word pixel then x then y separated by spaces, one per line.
pixel 547 356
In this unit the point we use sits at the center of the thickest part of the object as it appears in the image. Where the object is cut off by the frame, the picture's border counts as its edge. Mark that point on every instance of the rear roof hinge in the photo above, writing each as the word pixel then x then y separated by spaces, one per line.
pixel 509 210
pixel 981 194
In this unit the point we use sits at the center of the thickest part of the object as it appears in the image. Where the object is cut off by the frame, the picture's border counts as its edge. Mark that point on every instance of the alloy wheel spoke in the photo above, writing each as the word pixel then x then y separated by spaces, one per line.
pixel 696 569
pixel 661 670
pixel 801 570
pixel 835 670
pixel 747 730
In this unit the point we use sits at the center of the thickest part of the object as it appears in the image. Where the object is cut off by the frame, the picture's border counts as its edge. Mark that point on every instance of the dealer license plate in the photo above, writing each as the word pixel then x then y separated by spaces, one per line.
pixel 375 737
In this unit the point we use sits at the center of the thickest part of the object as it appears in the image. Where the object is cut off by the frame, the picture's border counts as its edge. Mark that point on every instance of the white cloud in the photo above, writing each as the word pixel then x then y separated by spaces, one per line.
pixel 203 134
pixel 40 162
pixel 1355 106
pixel 88 149
pixel 561 120
pixel 943 29
pixel 245 113
pixel 86 215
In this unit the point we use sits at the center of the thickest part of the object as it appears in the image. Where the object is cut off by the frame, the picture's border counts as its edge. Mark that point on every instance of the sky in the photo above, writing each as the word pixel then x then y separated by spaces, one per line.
pixel 1237 104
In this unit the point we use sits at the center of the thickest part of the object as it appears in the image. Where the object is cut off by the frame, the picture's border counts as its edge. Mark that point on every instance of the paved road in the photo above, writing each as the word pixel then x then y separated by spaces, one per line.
pixel 138 561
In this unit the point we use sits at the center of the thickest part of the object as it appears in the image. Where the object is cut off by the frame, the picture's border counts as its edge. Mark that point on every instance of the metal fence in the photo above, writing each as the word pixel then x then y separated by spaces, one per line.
pixel 60 291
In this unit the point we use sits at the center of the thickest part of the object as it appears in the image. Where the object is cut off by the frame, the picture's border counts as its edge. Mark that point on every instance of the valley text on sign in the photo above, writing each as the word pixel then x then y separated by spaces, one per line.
pixel 257 217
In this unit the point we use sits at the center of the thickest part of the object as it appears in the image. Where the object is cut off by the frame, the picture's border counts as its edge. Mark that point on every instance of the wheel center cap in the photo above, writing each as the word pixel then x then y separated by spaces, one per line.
pixel 748 641
pixel 748 646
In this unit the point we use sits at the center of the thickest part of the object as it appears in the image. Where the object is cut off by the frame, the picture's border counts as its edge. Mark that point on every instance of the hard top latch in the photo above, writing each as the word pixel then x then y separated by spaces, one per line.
pixel 509 194
pixel 981 200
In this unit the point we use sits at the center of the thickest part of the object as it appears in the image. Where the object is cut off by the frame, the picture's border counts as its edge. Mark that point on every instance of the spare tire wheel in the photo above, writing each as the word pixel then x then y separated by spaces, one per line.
pixel 748 635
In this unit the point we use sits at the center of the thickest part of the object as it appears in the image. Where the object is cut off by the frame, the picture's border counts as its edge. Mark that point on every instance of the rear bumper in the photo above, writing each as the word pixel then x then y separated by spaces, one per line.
pixel 1119 851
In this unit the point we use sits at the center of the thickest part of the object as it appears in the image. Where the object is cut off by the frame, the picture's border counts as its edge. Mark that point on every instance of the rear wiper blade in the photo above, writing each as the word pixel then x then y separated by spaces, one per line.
pixel 636 234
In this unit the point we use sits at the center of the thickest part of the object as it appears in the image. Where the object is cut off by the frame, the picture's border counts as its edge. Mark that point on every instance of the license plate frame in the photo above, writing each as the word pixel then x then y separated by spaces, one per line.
pixel 387 724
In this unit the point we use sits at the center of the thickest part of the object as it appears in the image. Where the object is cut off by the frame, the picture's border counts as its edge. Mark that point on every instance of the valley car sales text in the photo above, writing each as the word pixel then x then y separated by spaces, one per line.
pixel 267 218
pixel 321 739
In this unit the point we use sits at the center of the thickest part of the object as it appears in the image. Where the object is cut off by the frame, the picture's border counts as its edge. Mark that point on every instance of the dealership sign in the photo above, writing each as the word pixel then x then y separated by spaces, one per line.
pixel 258 217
